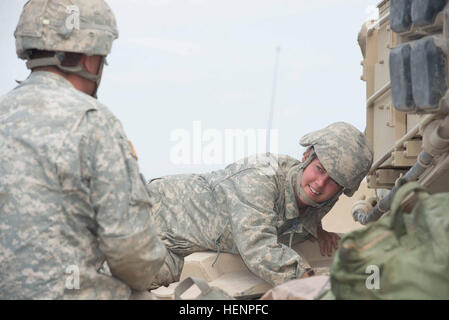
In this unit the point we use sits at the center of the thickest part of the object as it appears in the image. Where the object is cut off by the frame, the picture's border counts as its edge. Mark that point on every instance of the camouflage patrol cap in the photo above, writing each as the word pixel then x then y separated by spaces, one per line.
pixel 81 26
pixel 343 151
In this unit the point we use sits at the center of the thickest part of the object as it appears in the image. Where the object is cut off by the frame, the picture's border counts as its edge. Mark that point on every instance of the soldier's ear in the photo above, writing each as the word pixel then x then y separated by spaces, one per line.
pixel 305 155
pixel 84 62
pixel 91 63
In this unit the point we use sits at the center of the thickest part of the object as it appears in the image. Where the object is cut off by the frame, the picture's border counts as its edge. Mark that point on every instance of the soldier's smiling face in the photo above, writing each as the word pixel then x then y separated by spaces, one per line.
pixel 316 182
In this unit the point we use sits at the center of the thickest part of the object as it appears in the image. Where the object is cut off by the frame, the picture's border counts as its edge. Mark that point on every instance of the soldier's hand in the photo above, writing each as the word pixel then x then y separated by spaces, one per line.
pixel 308 273
pixel 328 241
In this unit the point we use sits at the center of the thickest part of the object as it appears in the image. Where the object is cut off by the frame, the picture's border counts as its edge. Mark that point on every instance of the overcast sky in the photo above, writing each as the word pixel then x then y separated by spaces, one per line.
pixel 183 73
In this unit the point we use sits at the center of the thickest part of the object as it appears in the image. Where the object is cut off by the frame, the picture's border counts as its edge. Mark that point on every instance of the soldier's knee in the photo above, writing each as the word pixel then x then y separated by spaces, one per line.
pixel 170 271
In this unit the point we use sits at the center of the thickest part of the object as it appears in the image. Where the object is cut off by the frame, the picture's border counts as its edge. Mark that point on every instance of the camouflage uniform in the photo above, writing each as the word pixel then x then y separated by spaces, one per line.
pixel 71 197
pixel 249 206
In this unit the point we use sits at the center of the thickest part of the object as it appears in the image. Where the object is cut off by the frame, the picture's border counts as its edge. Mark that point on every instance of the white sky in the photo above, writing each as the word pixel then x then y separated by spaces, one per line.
pixel 181 61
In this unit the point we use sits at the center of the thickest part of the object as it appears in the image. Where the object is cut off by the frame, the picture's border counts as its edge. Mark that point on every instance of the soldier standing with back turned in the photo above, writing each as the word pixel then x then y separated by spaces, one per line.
pixel 71 196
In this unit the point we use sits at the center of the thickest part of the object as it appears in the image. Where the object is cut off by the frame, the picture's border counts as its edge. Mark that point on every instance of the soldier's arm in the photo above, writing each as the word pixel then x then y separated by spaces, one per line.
pixel 253 224
pixel 126 232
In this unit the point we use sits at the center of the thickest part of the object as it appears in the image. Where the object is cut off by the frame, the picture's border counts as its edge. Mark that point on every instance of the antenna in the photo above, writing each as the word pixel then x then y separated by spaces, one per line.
pixel 273 94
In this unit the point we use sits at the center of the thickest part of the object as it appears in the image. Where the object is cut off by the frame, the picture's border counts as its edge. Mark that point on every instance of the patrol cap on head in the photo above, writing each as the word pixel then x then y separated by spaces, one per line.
pixel 81 26
pixel 343 151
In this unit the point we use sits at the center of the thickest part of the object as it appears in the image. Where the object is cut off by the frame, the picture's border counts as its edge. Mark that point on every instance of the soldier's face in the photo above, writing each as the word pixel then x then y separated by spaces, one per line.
pixel 317 184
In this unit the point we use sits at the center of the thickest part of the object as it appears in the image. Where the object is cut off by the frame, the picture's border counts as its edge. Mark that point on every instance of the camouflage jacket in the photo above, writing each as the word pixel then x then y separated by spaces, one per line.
pixel 244 208
pixel 71 197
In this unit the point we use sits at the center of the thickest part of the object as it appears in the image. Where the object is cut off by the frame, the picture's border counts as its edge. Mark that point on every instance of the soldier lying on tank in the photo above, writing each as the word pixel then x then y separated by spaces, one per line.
pixel 257 206
pixel 71 195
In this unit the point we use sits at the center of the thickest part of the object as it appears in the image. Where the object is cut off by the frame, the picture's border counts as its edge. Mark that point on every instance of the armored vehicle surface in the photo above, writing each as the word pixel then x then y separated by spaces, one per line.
pixel 406 73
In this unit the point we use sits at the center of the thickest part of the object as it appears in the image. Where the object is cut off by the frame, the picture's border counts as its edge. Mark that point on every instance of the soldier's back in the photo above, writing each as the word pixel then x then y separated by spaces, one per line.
pixel 48 228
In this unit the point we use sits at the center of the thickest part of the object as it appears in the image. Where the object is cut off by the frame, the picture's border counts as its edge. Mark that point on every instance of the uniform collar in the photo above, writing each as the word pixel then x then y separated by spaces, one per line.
pixel 291 206
pixel 48 77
